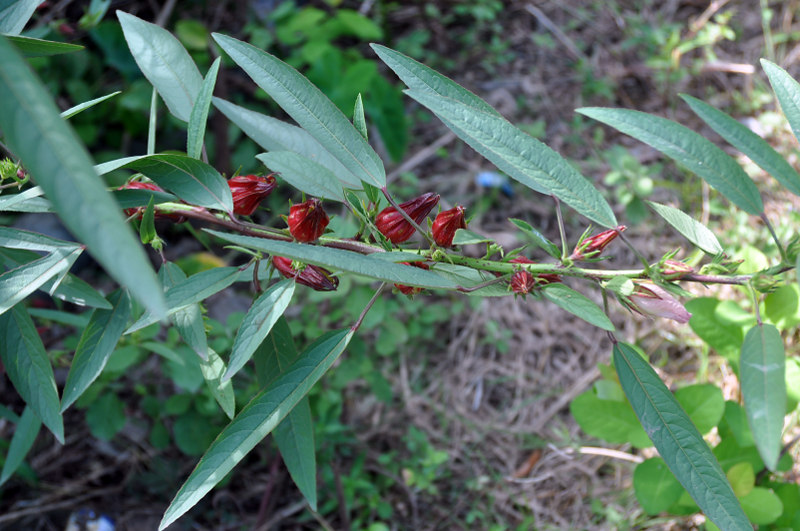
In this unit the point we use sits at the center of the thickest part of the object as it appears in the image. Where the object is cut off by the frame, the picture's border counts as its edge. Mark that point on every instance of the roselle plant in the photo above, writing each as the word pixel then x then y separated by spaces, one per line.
pixel 329 159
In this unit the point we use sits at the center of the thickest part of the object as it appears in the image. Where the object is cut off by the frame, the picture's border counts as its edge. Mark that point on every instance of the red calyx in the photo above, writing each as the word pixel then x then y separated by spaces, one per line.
pixel 307 220
pixel 411 290
pixel 312 276
pixel 248 191
pixel 594 245
pixel 446 224
pixel 394 226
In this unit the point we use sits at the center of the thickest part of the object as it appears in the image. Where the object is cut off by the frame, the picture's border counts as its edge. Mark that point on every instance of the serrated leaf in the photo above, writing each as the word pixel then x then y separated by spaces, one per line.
pixel 14 14
pixel 30 47
pixel 762 369
pixel 164 62
pixel 18 283
pixel 692 230
pixel 537 237
pixel 199 114
pixel 275 135
pixel 222 391
pixel 309 107
pixel 521 156
pixel 25 433
pixel 72 111
pixel 577 304
pixel 257 323
pixel 192 180
pixel 97 342
pixel 341 260
pixel 742 138
pixel 189 319
pixel 677 440
pixel 691 150
pixel 304 174
pixel 61 166
pixel 257 420
pixel 29 369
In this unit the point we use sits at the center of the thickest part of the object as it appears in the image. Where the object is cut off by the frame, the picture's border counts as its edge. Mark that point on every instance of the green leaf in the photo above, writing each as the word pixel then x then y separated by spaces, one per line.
pixel 98 341
pixel 788 92
pixel 30 47
pixel 275 135
pixel 467 237
pixel 304 174
pixel 721 335
pixel 147 227
pixel 189 319
pixel 199 115
pixel 610 420
pixel 194 181
pixel 742 478
pixel 520 156
pixel 222 391
pixel 342 261
pixel 14 14
pixel 620 285
pixel 742 138
pixel 164 62
pixel 762 506
pixel 132 198
pixel 28 368
pixel 677 440
pixel 690 149
pixel 7 202
pixel 60 165
pixel 309 107
pixel 537 237
pixel 16 284
pixel 12 238
pixel 692 230
pixel 106 416
pixel 256 420
pixel 577 304
pixel 462 276
pixel 25 433
pixel 72 111
pixel 762 374
pixel 655 487
pixel 257 323
pixel 703 403
pixel 359 121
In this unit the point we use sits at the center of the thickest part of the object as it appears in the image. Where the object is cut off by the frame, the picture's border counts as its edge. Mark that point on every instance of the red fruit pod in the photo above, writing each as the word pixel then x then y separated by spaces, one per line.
pixel 394 226
pixel 248 191
pixel 307 220
pixel 314 277
pixel 446 224
pixel 594 245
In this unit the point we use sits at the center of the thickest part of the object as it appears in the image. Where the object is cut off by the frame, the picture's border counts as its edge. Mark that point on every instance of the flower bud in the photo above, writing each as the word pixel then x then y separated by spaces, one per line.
pixel 446 224
pixel 594 245
pixel 522 282
pixel 248 191
pixel 675 270
pixel 394 226
pixel 308 275
pixel 764 283
pixel 411 290
pixel 540 279
pixel 653 300
pixel 307 220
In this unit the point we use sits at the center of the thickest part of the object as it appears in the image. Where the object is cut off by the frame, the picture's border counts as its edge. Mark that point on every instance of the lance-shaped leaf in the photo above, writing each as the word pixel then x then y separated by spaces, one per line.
pixel 18 283
pixel 59 163
pixel 742 138
pixel 213 368
pixel 189 319
pixel 25 433
pixel 12 238
pixel 342 261
pixel 275 135
pixel 141 197
pixel 192 180
pixel 691 150
pixel 677 440
pixel 30 47
pixel 577 304
pixel 537 237
pixel 692 230
pixel 98 341
pixel 257 420
pixel 762 369
pixel 72 111
pixel 260 318
pixel 199 116
pixel 788 92
pixel 309 107
pixel 28 368
pixel 304 174
pixel 7 202
pixel 14 14
pixel 164 62
pixel 520 155
pixel 359 120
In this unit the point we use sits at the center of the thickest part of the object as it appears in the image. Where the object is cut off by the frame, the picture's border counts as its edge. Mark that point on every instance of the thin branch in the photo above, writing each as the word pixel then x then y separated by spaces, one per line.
pixel 775 237
pixel 357 324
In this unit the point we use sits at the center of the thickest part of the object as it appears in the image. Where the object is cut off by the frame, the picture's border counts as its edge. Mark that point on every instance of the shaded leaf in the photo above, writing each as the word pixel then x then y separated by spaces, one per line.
pixel 30 47
pixel 692 230
pixel 189 319
pixel 577 304
pixel 25 433
pixel 304 174
pixel 359 121
pixel 14 14
pixel 18 283
pixel 72 111
pixel 199 115
pixel 537 237
pixel 222 391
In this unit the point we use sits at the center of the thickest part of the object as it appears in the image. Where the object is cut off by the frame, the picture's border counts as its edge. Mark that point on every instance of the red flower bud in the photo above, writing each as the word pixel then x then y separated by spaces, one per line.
pixel 522 282
pixel 138 211
pixel 310 275
pixel 248 191
pixel 446 224
pixel 411 290
pixel 653 300
pixel 674 269
pixel 307 221
pixel 594 245
pixel 393 225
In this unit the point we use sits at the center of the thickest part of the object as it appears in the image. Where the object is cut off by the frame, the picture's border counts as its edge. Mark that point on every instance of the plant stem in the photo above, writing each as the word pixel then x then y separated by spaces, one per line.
pixel 561 231
pixel 775 238
pixel 357 324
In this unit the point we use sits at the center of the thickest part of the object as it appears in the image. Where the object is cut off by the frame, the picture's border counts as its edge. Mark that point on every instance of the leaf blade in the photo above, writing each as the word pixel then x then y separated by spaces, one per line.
pixel 199 114
pixel 25 434
pixel 304 174
pixel 577 304
pixel 689 228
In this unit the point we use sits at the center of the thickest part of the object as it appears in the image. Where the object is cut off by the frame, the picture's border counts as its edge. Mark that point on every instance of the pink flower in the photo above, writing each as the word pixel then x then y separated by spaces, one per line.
pixel 653 300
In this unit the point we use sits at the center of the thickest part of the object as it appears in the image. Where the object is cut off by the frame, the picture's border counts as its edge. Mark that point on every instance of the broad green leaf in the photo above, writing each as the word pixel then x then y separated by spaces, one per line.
pixel 537 237
pixel 164 62
pixel 18 283
pixel 257 323
pixel 782 306
pixel 212 370
pixel 309 107
pixel 257 420
pixel 677 440
pixel 703 403
pixel 98 341
pixel 520 155
pixel 28 368
pixel 72 111
pixel 611 420
pixel 304 174
pixel 194 181
pixel 341 260
pixel 577 304
pixel 359 121
pixel 721 335
pixel 620 285
pixel 132 198
pixel 788 92
pixel 199 115
pixel 25 433
pixel 692 230
pixel 14 14
pixel 189 319
pixel 762 506
pixel 111 165
pixel 690 149
pixel 275 135
pixel 106 416
pixel 75 320
pixel 762 375
pixel 61 166
pixel 742 138
pixel 735 420
pixel 655 487
pixel 30 47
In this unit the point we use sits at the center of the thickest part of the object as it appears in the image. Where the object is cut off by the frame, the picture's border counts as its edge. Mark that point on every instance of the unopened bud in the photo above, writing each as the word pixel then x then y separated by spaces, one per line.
pixel 522 282
pixel 394 226
pixel 138 211
pixel 675 270
pixel 653 300
pixel 446 224
pixel 764 283
pixel 307 220
pixel 593 245
pixel 539 280
pixel 248 191
pixel 312 276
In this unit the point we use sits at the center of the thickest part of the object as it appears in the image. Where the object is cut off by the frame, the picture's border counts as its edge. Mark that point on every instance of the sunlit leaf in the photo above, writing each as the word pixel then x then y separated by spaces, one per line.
pixel 304 174
pixel 577 304
pixel 692 230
